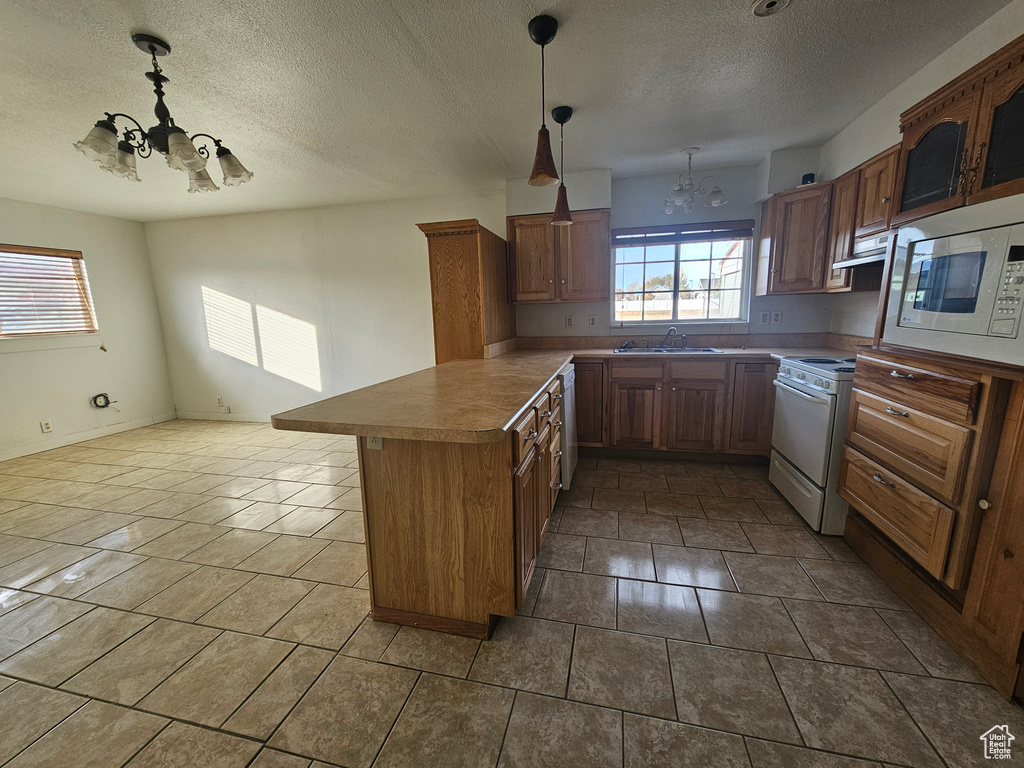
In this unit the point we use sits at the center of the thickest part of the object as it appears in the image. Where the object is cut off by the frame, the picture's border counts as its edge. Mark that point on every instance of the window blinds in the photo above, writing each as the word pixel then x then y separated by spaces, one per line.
pixel 43 291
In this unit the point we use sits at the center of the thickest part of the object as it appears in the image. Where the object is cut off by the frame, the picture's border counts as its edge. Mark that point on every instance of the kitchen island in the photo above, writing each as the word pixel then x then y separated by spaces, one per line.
pixel 459 469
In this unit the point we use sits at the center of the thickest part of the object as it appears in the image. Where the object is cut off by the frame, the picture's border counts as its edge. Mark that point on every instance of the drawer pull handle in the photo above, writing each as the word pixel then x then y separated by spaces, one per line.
pixel 984 503
pixel 556 486
pixel 556 397
pixel 883 481
pixel 893 412
pixel 898 375
pixel 558 423
pixel 532 435
pixel 558 454
pixel 546 414
pixel 540 457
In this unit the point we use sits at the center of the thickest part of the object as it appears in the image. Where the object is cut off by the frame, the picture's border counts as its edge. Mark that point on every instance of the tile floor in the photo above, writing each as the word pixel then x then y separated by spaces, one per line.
pixel 194 594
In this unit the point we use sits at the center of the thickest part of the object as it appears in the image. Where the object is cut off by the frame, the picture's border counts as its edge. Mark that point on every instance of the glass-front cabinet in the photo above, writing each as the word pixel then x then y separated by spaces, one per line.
pixel 999 165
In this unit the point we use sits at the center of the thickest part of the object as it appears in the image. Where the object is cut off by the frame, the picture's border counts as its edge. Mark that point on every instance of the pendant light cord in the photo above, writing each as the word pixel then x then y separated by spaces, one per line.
pixel 543 101
pixel 561 152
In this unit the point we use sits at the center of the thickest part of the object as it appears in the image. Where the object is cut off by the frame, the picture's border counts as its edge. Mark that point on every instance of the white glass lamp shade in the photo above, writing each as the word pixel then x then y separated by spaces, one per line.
pixel 100 144
pixel 234 172
pixel 182 154
pixel 124 162
pixel 716 198
pixel 200 181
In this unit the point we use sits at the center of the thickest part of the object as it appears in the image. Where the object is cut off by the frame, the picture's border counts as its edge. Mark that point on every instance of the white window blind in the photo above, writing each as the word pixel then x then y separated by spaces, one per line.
pixel 43 291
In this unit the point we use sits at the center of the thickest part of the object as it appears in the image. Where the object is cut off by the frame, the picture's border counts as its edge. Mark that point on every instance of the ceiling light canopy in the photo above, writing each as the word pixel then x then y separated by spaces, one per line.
pixel 684 194
pixel 542 31
pixel 118 157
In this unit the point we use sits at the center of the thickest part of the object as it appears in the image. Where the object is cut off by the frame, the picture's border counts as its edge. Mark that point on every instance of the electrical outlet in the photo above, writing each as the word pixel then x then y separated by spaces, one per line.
pixel 593 321
pixel 766 317
pixel 375 443
pixel 776 316
pixel 220 402
pixel 46 425
pixel 569 321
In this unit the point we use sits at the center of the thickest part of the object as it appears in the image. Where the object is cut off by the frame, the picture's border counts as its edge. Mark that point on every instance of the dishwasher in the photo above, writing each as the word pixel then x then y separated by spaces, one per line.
pixel 567 376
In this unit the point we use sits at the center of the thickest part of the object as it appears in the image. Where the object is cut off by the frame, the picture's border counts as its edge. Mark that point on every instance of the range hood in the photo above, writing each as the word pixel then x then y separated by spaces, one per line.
pixel 866 250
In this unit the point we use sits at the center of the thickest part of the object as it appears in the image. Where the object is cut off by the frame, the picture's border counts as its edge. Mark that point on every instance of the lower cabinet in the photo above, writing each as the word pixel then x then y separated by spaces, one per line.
pixel 753 408
pixel 635 408
pixel 527 535
pixel 695 416
pixel 589 402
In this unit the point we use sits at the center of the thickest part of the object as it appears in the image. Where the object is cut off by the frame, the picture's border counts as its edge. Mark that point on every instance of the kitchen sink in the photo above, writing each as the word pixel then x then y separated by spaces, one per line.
pixel 669 351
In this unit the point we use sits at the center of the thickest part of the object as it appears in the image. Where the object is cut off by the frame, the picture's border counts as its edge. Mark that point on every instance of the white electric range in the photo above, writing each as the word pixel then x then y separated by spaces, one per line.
pixel 812 402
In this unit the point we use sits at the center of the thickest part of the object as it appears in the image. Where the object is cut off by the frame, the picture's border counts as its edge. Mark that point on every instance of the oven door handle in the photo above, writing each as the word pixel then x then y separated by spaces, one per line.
pixel 799 394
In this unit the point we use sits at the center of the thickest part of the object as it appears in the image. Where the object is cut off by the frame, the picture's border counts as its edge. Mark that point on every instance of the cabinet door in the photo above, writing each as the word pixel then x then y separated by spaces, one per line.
pixel 636 406
pixel 695 415
pixel 800 240
pixel 542 485
pixel 590 403
pixel 753 408
pixel 584 257
pixel 934 159
pixel 844 214
pixel 532 240
pixel 526 524
pixel 997 167
pixel 874 201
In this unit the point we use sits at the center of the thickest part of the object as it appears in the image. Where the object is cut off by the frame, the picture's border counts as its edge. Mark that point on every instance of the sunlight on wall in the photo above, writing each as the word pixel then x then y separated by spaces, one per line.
pixel 229 325
pixel 289 347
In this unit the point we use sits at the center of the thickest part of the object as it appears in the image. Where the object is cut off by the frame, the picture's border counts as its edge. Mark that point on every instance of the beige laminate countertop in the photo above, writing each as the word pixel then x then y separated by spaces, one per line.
pixel 464 401
pixel 776 352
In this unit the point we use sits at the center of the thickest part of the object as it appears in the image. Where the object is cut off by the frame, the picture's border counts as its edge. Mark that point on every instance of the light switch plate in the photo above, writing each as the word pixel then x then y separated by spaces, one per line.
pixel 766 317
pixel 569 321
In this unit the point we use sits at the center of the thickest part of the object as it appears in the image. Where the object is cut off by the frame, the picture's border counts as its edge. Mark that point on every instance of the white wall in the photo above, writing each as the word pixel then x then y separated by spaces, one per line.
pixel 878 128
pixel 54 378
pixel 357 273
pixel 585 190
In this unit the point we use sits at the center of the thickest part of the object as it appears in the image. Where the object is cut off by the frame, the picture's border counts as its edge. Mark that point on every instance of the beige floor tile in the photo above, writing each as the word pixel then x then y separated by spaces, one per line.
pixel 53 491
pixel 637 481
pixel 661 529
pixel 326 617
pixel 276 491
pixel 348 712
pixel 837 548
pixel 613 464
pixel 283 556
pixel 237 487
pixel 352 499
pixel 650 743
pixel 186 746
pixel 77 579
pixel 136 476
pixel 527 654
pixel 771 575
pixel 664 610
pixel 258 515
pixel 663 467
pixel 849 634
pixel 709 469
pixel 38 618
pixel 851 711
pixel 258 605
pixel 730 690
pixel 578 497
pixel 779 511
pixel 36 566
pixel 304 521
pixel 620 501
pixel 195 594
pixel 136 534
pixel 58 519
pixel 347 527
pixel 274 699
pixel 101 497
pixel 317 495
pixel 432 651
pixel 746 489
pixel 931 650
pixel 201 484
pixel 214 510
pixel 768 754
pixel 141 663
pixel 371 639
pixel 341 476
pixel 12 550
pixel 229 550
pixel 693 485
pixel 13 598
pixel 593 478
pixel 692 567
pixel 750 622
pixel 448 722
pixel 254 469
pixel 132 588
pixel 212 685
pixel 789 541
pixel 134 501
pixel 552 732
pixel 272 758
pixel 178 543
pixel 726 508
pixel 102 524
pixel 589 522
pixel 173 505
pixel 24 513
pixel 563 552
pixel 714 534
pixel 622 670
pixel 625 559
pixel 852 583
pixel 342 563
pixel 167 480
pixel 97 736
pixel 578 598
pixel 29 711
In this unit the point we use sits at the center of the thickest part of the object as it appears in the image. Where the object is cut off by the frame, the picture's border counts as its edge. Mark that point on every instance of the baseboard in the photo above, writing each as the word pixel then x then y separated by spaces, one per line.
pixel 79 437
pixel 218 416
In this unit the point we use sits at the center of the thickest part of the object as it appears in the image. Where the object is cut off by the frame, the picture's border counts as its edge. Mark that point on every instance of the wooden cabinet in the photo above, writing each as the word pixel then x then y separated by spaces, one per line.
pixel 695 415
pixel 845 208
pixel 753 407
pixel 799 244
pixel 635 412
pixel 555 264
pixel 468 289
pixel 527 509
pixel 876 179
pixel 589 403
pixel 997 169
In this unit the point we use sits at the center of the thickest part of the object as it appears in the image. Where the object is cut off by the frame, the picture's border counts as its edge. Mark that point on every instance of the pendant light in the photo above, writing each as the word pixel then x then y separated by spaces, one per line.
pixel 562 217
pixel 542 31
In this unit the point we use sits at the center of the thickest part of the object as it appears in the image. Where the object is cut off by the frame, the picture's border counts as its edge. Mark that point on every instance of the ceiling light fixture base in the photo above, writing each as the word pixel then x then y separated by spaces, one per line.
pixel 763 8
pixel 151 44
pixel 543 29
pixel 561 115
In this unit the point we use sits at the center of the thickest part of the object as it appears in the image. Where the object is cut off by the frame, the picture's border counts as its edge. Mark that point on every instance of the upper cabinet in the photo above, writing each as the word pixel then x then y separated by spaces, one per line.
pixel 799 244
pixel 845 209
pixel 999 168
pixel 875 180
pixel 552 264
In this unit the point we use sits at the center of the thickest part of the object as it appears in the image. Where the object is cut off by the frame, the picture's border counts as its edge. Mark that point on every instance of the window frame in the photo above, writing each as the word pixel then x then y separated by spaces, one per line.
pixel 677 235
pixel 85 292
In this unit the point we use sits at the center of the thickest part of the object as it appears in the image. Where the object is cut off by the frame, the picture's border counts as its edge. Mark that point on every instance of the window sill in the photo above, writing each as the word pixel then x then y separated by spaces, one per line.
pixel 721 327
pixel 43 343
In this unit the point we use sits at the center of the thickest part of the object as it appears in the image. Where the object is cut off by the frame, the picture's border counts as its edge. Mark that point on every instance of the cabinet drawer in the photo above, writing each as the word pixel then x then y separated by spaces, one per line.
pixel 915 522
pixel 555 390
pixel 941 394
pixel 636 370
pixel 929 452
pixel 525 435
pixel 699 369
pixel 543 407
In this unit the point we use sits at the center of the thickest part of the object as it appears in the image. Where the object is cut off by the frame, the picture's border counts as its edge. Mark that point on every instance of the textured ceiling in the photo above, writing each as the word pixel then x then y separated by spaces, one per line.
pixel 353 100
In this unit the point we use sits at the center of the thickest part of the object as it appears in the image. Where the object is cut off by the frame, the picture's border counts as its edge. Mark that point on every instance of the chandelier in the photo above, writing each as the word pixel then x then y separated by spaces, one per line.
pixel 684 194
pixel 178 148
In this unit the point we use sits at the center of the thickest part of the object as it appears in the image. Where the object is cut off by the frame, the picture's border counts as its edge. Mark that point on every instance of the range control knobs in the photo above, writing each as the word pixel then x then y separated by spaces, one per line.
pixel 801 376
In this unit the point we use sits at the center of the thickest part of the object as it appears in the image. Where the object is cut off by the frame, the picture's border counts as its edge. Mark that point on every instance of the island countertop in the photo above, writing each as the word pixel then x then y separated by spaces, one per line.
pixel 463 401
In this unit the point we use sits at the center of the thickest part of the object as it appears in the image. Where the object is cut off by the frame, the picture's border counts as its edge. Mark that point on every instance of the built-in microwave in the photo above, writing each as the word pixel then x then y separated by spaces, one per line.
pixel 958 283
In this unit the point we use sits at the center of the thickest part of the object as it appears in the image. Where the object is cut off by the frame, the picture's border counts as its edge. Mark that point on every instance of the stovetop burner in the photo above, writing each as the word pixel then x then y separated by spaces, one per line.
pixel 848 360
pixel 845 369
pixel 820 360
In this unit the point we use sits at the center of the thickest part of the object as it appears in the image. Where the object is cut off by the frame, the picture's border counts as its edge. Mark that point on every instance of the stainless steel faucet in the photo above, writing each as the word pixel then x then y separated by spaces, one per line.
pixel 670 334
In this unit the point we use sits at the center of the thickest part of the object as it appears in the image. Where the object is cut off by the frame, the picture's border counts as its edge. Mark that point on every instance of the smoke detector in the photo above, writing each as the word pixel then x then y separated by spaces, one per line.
pixel 762 8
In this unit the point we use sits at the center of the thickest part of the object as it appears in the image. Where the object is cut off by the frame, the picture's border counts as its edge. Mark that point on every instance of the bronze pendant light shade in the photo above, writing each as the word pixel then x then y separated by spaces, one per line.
pixel 542 31
pixel 562 216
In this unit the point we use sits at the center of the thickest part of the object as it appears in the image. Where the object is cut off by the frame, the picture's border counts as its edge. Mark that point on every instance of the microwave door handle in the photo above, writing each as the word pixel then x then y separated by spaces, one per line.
pixel 799 394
